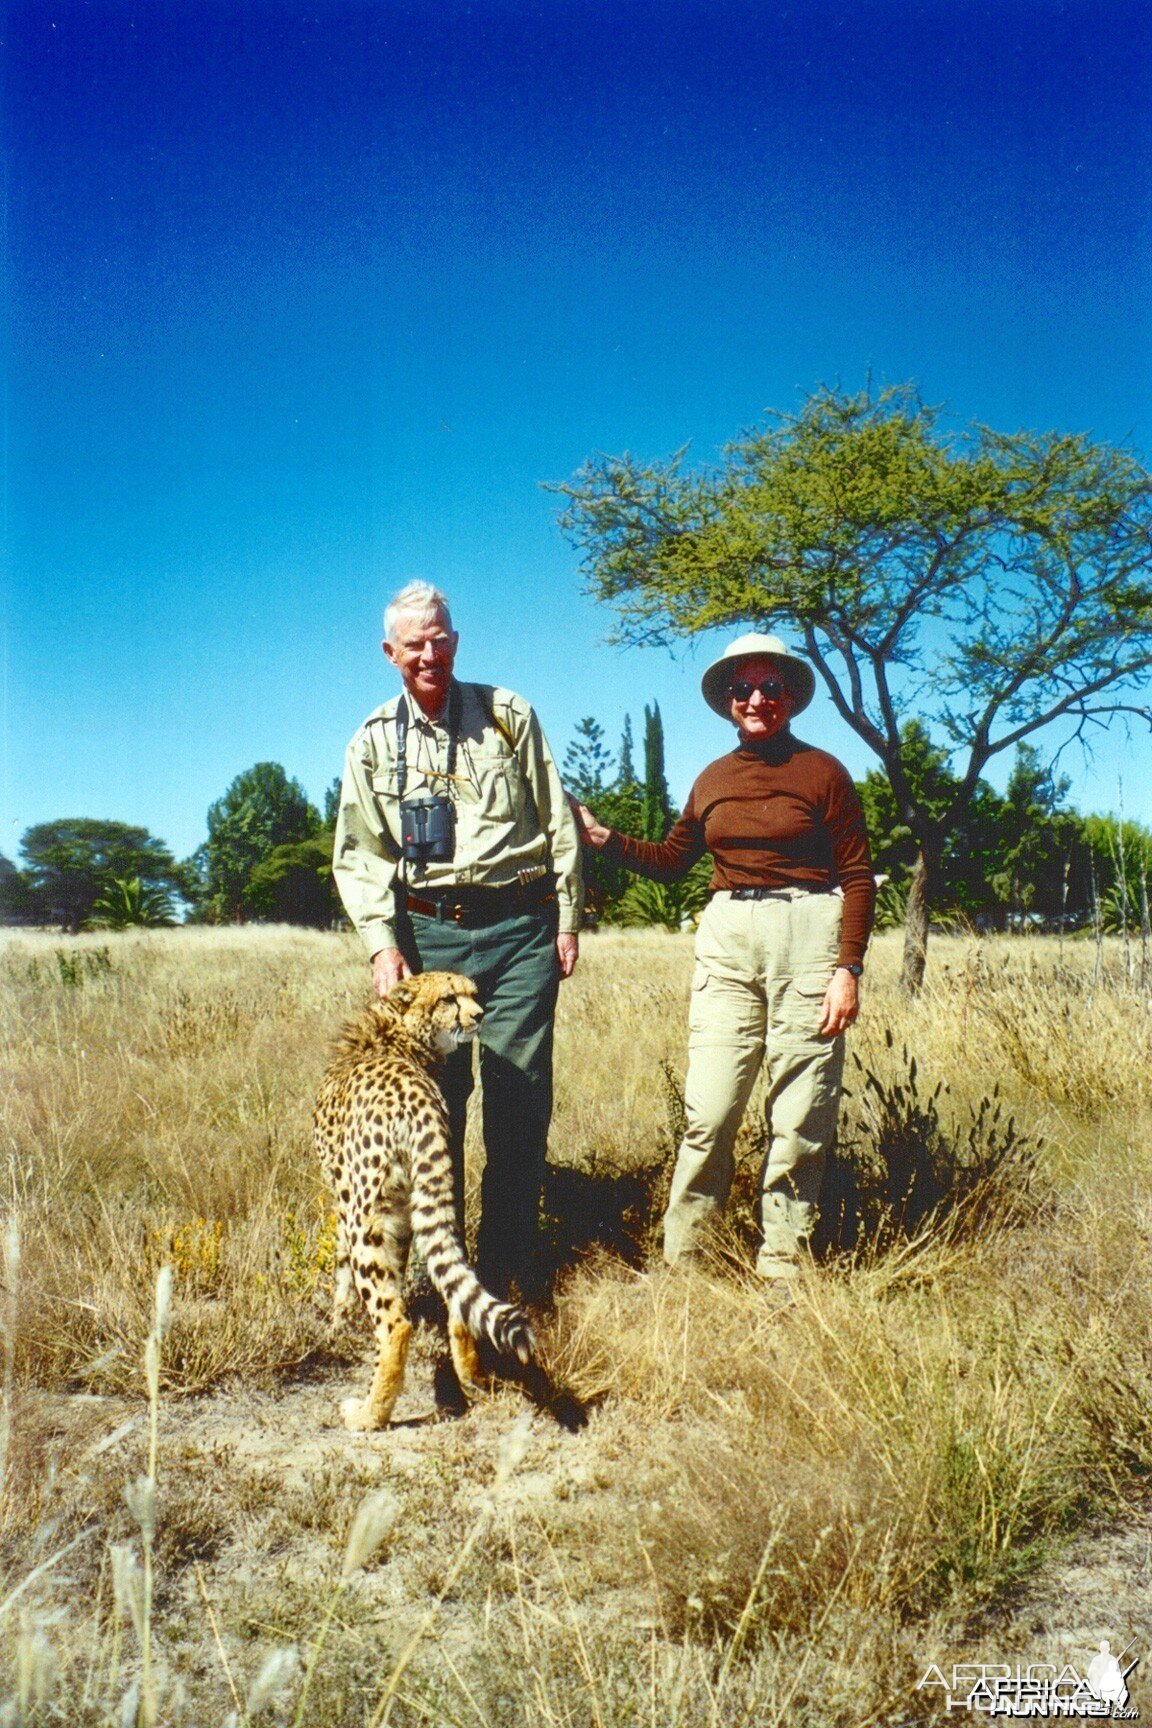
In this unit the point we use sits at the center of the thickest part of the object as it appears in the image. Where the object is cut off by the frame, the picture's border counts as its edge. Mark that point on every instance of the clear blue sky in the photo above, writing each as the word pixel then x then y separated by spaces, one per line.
pixel 304 300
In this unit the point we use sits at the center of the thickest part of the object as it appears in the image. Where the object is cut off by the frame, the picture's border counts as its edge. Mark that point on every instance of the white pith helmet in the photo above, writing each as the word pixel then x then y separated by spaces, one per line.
pixel 795 673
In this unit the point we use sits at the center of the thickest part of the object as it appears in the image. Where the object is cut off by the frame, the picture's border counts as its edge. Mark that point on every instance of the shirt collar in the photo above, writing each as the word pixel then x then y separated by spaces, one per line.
pixel 779 748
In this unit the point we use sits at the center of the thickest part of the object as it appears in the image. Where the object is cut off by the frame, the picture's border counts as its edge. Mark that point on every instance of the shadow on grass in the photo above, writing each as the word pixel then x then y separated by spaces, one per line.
pixel 426 1307
pixel 907 1166
pixel 612 1210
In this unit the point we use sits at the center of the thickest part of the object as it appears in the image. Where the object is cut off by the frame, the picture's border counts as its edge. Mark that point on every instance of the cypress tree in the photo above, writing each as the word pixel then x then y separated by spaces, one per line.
pixel 627 765
pixel 657 803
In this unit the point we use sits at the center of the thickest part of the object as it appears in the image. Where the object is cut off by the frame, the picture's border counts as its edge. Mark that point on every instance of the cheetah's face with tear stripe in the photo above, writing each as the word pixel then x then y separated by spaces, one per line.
pixel 443 1003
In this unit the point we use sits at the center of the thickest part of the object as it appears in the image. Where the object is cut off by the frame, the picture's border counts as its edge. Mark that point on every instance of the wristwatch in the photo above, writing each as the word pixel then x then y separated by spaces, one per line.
pixel 852 966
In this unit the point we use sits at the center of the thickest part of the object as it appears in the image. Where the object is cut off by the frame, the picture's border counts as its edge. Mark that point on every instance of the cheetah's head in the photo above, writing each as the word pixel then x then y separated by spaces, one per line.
pixel 439 1008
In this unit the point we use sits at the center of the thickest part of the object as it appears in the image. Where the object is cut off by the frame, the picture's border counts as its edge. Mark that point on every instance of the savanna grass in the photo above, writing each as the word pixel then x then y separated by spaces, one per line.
pixel 770 1515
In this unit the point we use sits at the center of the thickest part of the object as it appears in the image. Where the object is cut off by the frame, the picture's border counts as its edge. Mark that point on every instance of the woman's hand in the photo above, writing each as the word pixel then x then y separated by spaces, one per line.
pixel 841 1003
pixel 592 832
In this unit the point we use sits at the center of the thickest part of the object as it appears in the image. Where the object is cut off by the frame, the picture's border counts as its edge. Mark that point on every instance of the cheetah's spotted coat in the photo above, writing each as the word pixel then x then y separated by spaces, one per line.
pixel 382 1135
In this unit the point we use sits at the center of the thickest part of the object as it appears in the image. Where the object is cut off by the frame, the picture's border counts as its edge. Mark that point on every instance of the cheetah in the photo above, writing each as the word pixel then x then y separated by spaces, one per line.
pixel 382 1136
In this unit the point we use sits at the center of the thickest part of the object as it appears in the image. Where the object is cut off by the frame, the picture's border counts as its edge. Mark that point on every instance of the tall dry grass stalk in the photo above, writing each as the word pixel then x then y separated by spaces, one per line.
pixel 769 1518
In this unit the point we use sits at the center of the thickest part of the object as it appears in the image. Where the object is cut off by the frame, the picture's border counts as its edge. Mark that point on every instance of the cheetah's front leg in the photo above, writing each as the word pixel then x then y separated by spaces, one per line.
pixel 465 1358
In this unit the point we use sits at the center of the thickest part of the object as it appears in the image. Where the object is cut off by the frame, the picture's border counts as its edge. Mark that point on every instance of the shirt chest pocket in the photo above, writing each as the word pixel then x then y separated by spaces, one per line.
pixel 491 786
pixel 384 788
pixel 424 776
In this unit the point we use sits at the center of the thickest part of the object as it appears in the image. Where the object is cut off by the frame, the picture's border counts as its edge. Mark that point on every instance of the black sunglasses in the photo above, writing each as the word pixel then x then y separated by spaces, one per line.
pixel 770 688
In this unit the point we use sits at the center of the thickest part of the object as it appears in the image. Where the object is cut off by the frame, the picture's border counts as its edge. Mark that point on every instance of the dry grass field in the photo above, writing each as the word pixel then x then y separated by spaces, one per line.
pixel 768 1518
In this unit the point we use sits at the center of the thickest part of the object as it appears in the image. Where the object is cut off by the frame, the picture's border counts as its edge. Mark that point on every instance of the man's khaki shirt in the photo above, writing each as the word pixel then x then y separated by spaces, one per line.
pixel 512 814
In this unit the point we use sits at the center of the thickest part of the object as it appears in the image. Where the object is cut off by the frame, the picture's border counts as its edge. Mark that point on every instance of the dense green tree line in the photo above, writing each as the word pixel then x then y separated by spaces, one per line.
pixel 268 857
pixel 268 854
pixel 641 808
pixel 79 871
pixel 1018 860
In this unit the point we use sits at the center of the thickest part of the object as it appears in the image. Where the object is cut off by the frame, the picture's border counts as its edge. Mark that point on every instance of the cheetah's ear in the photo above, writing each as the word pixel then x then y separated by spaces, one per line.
pixel 402 995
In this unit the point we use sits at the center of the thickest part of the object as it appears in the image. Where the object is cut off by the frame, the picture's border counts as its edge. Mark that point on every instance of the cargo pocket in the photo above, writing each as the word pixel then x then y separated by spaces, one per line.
pixel 697 1006
pixel 803 1000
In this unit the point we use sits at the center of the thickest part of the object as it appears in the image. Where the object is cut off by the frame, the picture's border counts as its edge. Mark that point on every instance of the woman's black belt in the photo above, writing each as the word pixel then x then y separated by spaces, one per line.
pixel 780 888
pixel 474 906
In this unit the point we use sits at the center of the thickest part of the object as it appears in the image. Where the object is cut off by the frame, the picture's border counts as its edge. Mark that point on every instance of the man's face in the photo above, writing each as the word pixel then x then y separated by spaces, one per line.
pixel 424 653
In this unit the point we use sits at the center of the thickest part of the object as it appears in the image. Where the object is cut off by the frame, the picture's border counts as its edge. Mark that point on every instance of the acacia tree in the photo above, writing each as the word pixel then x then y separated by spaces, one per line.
pixel 990 584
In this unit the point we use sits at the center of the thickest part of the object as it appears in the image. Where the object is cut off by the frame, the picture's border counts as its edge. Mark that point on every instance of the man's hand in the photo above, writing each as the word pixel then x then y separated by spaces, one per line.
pixel 592 832
pixel 567 952
pixel 388 967
pixel 841 1003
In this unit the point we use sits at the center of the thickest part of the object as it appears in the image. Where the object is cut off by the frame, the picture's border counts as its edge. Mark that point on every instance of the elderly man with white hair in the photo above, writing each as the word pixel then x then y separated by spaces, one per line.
pixel 456 850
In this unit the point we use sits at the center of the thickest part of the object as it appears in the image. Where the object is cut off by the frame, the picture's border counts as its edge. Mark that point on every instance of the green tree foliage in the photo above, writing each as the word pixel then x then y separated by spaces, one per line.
pixel 1042 843
pixel 631 808
pixel 294 885
pixel 986 584
pixel 18 902
pixel 893 842
pixel 587 763
pixel 1119 867
pixel 1006 857
pixel 670 904
pixel 332 802
pixel 71 863
pixel 131 903
pixel 657 809
pixel 262 810
pixel 627 773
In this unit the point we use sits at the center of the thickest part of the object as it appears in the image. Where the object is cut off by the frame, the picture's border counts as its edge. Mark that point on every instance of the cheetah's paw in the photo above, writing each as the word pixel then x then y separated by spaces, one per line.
pixel 360 1417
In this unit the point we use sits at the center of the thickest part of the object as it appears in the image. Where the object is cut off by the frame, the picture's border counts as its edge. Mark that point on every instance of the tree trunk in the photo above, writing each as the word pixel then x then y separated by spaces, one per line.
pixel 916 927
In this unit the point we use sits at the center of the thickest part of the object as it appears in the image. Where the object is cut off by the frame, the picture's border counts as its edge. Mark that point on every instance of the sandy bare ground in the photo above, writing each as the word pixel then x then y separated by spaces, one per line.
pixel 1100 1587
pixel 296 1474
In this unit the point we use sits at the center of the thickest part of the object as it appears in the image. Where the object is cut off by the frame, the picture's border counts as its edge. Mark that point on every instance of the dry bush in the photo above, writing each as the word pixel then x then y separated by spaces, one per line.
pixel 909 1165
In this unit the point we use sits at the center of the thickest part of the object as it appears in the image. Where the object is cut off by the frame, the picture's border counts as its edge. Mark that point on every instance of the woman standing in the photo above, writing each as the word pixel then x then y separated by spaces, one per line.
pixel 778 954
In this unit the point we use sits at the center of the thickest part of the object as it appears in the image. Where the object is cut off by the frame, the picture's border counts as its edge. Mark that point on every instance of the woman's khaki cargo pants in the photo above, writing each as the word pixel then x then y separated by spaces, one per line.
pixel 762 967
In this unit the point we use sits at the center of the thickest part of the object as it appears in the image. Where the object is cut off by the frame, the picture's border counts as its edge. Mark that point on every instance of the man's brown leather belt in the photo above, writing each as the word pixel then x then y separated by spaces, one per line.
pixel 472 906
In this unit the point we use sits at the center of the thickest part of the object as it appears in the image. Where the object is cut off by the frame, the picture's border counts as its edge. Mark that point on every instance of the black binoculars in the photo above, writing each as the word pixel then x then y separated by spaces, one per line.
pixel 427 829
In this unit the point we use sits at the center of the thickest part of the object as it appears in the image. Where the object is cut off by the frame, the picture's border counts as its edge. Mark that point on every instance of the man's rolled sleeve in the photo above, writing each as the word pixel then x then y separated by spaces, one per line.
pixel 364 856
pixel 555 817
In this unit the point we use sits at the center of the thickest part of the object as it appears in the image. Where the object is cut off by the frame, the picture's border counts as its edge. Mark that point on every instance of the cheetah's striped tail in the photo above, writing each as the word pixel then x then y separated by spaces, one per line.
pixel 502 1324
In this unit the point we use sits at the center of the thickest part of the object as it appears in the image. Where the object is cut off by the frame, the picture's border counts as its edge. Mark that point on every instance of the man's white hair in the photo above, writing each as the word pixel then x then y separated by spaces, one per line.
pixel 417 600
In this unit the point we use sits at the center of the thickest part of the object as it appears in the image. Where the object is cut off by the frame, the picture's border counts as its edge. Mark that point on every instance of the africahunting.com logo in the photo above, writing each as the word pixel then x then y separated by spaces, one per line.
pixel 1041 1689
